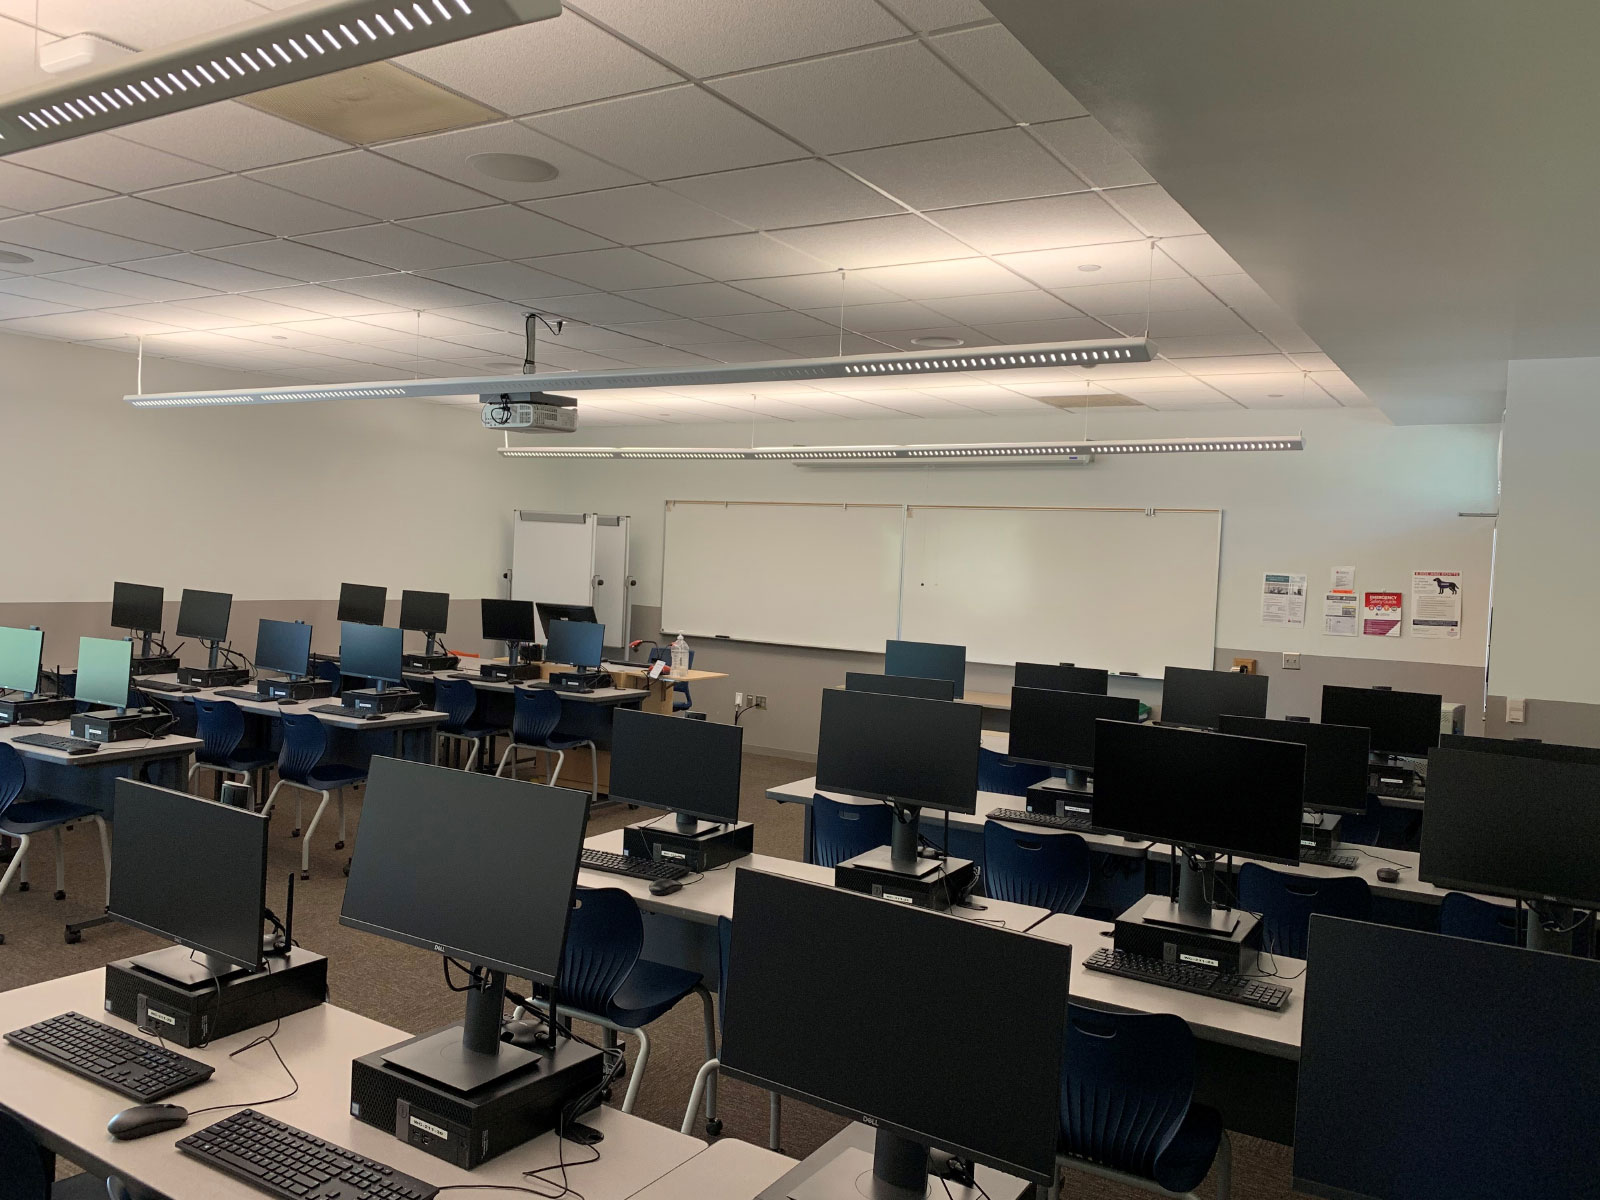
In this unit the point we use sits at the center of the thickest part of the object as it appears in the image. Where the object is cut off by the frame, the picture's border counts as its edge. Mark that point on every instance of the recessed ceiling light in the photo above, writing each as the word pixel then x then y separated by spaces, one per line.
pixel 11 256
pixel 279 337
pixel 1274 395
pixel 514 168
pixel 938 343
pixel 1088 266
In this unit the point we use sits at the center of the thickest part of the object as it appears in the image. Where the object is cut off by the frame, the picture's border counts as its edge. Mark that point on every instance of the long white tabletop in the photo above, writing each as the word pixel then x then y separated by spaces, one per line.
pixel 417 717
pixel 607 695
pixel 134 749
pixel 725 1170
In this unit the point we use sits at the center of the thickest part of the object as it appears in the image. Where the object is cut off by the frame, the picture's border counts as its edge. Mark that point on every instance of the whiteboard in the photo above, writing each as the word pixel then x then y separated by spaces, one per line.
pixel 821 575
pixel 1111 588
pixel 552 557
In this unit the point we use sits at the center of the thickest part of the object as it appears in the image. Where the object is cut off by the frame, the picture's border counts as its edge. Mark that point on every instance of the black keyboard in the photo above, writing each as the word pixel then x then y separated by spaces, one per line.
pixel 138 1069
pixel 54 741
pixel 1074 821
pixel 239 694
pixel 154 685
pixel 289 1162
pixel 341 710
pixel 633 868
pixel 1327 858
pixel 1186 978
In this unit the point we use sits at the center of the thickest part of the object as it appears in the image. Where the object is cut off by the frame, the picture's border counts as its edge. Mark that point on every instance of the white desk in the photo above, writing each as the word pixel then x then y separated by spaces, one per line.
pixel 69 1114
pixel 610 695
pixel 415 718
pixel 132 750
pixel 725 1170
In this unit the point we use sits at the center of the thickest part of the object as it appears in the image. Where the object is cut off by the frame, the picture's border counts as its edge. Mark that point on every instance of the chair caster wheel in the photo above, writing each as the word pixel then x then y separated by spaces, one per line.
pixel 305 874
pixel 61 895
pixel 2 939
pixel 714 1128
pixel 24 886
pixel 347 870
pixel 294 833
pixel 338 845
pixel 73 937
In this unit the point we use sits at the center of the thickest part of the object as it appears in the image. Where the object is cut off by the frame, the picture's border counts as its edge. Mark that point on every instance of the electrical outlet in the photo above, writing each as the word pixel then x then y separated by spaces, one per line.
pixel 1516 710
pixel 757 701
pixel 738 702
pixel 1291 660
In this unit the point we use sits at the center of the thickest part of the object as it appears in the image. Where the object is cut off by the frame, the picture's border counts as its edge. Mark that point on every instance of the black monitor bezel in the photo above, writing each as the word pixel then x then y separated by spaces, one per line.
pixel 970 712
pixel 505 607
pixel 900 685
pixel 547 611
pixel 261 666
pixel 1193 673
pixel 345 666
pixel 137 595
pixel 1075 676
pixel 1017 693
pixel 360 596
pixel 1437 698
pixel 410 600
pixel 623 717
pixel 184 629
pixel 1267 727
pixel 551 656
pixel 959 678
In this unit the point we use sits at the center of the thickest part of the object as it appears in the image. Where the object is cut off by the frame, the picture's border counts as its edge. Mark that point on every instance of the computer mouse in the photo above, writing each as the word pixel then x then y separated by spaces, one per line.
pixel 1388 875
pixel 525 1033
pixel 665 887
pixel 30 721
pixel 145 1119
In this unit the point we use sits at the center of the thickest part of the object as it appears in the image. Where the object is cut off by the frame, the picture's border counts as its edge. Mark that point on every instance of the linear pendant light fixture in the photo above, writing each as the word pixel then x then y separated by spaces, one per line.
pixel 490 388
pixel 1078 451
pixel 315 38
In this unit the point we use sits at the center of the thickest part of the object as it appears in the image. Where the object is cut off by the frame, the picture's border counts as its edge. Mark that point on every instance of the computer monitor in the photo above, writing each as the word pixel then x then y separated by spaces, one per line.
pixel 474 868
pixel 1402 723
pixel 1517 748
pixel 136 607
pixel 105 670
pixel 1056 729
pixel 687 767
pixel 371 652
pixel 20 653
pixel 1062 678
pixel 361 604
pixel 899 685
pixel 1434 1068
pixel 283 646
pixel 927 660
pixel 902 749
pixel 1336 759
pixel 565 612
pixel 1209 792
pixel 1512 825
pixel 424 612
pixel 204 615
pixel 889 982
pixel 191 871
pixel 1200 698
pixel 509 621
pixel 576 643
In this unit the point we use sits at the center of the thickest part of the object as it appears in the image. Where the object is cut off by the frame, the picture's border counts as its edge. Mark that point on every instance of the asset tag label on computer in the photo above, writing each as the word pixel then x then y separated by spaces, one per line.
pixel 1198 960
pixel 160 1016
pixel 433 1129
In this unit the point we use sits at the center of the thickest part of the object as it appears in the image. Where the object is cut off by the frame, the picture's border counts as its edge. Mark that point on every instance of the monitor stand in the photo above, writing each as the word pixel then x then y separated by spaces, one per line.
pixel 470 1055
pixel 187 968
pixel 1564 938
pixel 1185 926
pixel 895 1169
pixel 898 872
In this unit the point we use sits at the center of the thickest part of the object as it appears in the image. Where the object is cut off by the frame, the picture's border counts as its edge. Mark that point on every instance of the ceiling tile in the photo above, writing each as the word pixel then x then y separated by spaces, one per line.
pixel 394 246
pixel 864 98
pixel 141 26
pixel 875 242
pixel 700 300
pixel 232 136
pixel 673 333
pixel 112 162
pixel 614 270
pixel 1005 72
pixel 847 406
pixel 506 231
pixel 55 291
pixel 975 168
pixel 81 326
pixel 1214 344
pixel 769 325
pixel 544 65
pixel 40 261
pixel 598 308
pixel 372 184
pixel 1066 329
pixel 446 154
pixel 34 191
pixel 742 256
pixel 209 273
pixel 254 310
pixel 823 290
pixel 1083 219
pixel 133 284
pixel 712 37
pixel 327 301
pixel 740 352
pixel 1236 364
pixel 1155 212
pixel 906 339
pixel 129 216
pixel 394 327
pixel 1272 390
pixel 806 192
pixel 1121 262
pixel 308 263
pixel 1160 295
pixel 932 281
pixel 1214 317
pixel 12 307
pixel 927 15
pixel 46 233
pixel 1002 307
pixel 506 280
pixel 637 215
pixel 176 314
pixel 827 345
pixel 661 356
pixel 651 136
pixel 1088 149
pixel 251 203
pixel 577 335
pixel 496 315
pixel 1199 255
pixel 878 318
pixel 1338 385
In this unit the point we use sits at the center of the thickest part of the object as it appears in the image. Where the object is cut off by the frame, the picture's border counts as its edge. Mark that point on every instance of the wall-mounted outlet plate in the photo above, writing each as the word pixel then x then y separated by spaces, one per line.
pixel 757 701
pixel 1516 710
pixel 1291 660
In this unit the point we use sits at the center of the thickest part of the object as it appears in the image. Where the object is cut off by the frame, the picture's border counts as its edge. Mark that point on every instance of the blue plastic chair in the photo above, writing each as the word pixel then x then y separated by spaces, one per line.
pixel 326 668
pixel 1287 903
pixel 1127 1104
pixel 1464 916
pixel 220 726
pixel 301 766
pixel 458 700
pixel 841 831
pixel 998 774
pixel 680 701
pixel 535 713
pixel 22 819
pixel 1038 867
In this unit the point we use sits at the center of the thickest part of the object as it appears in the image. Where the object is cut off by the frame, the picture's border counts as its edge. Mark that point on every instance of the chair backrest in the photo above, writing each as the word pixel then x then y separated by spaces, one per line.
pixel 325 668
pixel 1464 916
pixel 1127 1081
pixel 605 935
pixel 995 774
pixel 185 721
pixel 219 724
pixel 1035 867
pixel 26 1168
pixel 1288 902
pixel 457 699
pixel 305 741
pixel 13 776
pixel 841 831
pixel 724 955
pixel 535 714
pixel 1363 830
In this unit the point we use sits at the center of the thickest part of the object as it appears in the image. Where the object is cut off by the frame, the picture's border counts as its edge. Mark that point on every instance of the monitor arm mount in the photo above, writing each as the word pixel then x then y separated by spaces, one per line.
pixel 903 836
pixel 1194 880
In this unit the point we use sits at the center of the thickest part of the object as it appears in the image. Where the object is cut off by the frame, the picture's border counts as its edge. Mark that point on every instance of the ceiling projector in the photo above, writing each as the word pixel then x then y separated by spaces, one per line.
pixel 537 412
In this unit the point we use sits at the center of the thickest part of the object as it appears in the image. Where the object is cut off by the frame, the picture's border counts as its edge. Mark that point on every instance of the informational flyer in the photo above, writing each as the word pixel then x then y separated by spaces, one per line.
pixel 1283 599
pixel 1380 613
pixel 1341 613
pixel 1435 604
pixel 1344 580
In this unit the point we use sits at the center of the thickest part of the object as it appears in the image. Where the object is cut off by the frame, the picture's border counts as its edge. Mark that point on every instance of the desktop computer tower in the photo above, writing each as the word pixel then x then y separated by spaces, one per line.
pixel 189 1017
pixel 514 673
pixel 716 847
pixel 166 665
pixel 390 700
pixel 213 677
pixel 306 688
pixel 110 727
pixel 57 708
pixel 428 663
pixel 1153 929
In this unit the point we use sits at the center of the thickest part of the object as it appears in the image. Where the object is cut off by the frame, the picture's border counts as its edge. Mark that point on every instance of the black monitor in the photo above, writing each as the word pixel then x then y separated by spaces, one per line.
pixel 191 871
pixel 283 646
pixel 902 749
pixel 1062 678
pixel 424 612
pixel 1200 698
pixel 927 660
pixel 136 607
pixel 1056 729
pixel 21 651
pixel 105 671
pixel 1513 825
pixel 1206 791
pixel 361 604
pixel 576 643
pixel 565 612
pixel 204 615
pixel 1402 723
pixel 371 651
pixel 509 621
pixel 899 685
pixel 1434 1068
pixel 1336 759
pixel 687 767
pixel 1517 748
pixel 888 982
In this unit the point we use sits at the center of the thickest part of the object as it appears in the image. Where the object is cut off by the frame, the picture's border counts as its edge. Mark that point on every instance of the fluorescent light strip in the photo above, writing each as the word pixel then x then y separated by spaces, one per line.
pixel 975 452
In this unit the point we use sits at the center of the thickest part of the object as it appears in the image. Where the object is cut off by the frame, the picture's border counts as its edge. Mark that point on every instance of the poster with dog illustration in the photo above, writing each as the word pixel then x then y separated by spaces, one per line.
pixel 1435 604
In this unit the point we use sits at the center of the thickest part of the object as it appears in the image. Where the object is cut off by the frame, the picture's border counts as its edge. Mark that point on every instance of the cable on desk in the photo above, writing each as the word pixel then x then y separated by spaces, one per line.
pixel 1397 865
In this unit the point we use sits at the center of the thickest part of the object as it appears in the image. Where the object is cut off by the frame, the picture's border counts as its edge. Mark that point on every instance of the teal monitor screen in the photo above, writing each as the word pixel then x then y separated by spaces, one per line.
pixel 104 667
pixel 20 651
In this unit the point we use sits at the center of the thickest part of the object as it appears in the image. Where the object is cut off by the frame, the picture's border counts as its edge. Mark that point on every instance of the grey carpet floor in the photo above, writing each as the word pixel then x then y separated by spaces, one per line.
pixel 404 987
